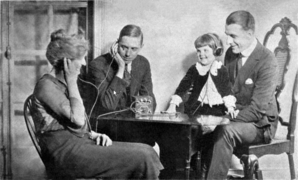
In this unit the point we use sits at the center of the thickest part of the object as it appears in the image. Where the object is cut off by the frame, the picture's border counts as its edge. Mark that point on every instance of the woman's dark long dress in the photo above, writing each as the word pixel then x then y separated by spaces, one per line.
pixel 72 153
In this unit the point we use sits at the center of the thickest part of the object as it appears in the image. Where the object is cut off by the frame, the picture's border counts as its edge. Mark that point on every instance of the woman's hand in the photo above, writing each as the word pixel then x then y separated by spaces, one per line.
pixel 101 139
pixel 71 72
pixel 77 110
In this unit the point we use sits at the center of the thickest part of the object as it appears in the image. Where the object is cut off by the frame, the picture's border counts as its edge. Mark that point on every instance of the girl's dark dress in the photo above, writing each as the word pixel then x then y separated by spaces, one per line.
pixel 69 150
pixel 221 91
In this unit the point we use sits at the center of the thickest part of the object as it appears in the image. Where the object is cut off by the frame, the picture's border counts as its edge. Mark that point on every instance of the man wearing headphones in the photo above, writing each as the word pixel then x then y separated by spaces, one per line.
pixel 119 75
pixel 253 71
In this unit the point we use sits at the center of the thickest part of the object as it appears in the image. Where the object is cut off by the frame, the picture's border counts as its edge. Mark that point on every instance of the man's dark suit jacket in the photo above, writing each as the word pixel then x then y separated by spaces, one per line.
pixel 254 87
pixel 112 89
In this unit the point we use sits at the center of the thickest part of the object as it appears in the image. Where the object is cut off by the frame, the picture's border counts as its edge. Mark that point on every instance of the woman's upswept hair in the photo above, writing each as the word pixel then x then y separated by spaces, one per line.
pixel 64 46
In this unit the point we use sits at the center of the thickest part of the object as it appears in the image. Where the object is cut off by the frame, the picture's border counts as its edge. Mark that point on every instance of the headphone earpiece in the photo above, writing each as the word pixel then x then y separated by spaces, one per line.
pixel 218 44
pixel 218 51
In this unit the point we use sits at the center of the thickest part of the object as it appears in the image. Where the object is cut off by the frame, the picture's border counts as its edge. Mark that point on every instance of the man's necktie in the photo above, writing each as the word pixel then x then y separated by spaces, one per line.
pixel 126 76
pixel 127 79
pixel 239 63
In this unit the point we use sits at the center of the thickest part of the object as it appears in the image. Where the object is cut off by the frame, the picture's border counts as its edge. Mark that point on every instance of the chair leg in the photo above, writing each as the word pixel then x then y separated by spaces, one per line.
pixel 251 167
pixel 292 166
pixel 187 169
pixel 198 167
pixel 258 173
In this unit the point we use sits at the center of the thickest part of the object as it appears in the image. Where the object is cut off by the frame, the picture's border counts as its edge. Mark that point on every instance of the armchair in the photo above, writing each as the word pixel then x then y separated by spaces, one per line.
pixel 251 154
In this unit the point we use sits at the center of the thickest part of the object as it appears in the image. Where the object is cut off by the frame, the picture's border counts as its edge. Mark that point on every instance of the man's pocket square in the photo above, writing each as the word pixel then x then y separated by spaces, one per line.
pixel 249 81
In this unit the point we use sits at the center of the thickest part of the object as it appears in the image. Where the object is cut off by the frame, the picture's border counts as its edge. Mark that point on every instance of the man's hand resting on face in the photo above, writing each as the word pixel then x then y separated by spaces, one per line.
pixel 121 64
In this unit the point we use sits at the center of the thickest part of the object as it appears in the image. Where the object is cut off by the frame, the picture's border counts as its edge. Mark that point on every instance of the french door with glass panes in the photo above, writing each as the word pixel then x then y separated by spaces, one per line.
pixel 25 32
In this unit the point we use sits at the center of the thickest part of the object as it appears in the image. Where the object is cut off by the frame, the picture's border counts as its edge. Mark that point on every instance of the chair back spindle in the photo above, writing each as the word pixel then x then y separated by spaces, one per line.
pixel 282 51
pixel 30 124
pixel 293 115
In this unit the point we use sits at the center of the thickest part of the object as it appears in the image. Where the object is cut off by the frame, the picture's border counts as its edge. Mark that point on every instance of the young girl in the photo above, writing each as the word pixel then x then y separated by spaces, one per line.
pixel 208 83
pixel 208 80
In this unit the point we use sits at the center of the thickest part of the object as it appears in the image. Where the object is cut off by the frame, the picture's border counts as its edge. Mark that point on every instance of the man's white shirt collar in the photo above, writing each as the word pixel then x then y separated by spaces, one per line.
pixel 129 67
pixel 247 52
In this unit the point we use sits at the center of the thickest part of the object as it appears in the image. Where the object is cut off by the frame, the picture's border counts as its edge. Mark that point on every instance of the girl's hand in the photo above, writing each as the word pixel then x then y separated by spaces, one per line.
pixel 171 108
pixel 232 112
pixel 101 139
pixel 71 72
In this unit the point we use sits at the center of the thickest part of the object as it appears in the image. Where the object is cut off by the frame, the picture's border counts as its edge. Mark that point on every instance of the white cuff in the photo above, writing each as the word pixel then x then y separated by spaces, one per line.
pixel 176 100
pixel 229 101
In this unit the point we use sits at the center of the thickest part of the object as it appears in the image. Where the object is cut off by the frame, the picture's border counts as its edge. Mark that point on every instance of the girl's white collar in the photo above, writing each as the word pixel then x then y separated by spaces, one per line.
pixel 202 70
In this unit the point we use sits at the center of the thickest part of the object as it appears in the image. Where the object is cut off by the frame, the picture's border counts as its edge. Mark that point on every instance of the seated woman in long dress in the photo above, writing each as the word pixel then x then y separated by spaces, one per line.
pixel 70 147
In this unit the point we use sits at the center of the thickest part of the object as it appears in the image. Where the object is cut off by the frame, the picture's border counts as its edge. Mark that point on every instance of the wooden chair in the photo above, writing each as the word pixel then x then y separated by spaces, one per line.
pixel 250 157
pixel 51 174
pixel 33 134
pixel 30 124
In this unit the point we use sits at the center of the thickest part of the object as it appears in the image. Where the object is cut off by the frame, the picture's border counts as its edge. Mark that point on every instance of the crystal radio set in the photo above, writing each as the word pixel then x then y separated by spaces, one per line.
pixel 143 105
